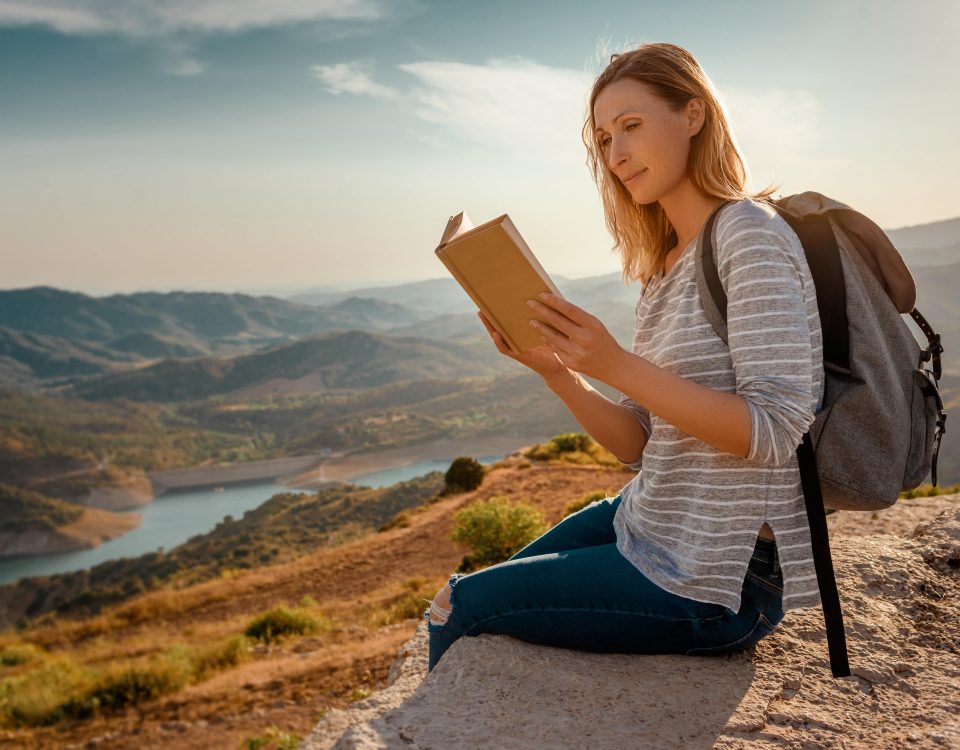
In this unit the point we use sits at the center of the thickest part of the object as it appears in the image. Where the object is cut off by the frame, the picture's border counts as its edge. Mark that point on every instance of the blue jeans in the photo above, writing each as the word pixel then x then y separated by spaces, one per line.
pixel 572 588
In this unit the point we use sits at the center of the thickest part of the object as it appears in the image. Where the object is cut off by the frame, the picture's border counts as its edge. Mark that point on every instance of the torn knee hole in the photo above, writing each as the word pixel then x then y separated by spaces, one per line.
pixel 441 607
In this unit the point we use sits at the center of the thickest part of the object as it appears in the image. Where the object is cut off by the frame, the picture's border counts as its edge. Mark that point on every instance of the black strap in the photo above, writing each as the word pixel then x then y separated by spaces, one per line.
pixel 935 348
pixel 822 561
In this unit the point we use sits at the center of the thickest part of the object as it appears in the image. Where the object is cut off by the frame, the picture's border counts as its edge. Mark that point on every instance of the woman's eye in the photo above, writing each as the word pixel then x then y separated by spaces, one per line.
pixel 631 125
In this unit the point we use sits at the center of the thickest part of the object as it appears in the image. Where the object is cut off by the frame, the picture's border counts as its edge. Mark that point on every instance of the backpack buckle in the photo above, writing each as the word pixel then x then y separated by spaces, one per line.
pixel 933 351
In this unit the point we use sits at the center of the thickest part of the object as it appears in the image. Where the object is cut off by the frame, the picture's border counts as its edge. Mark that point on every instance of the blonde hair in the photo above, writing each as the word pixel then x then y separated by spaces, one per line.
pixel 642 233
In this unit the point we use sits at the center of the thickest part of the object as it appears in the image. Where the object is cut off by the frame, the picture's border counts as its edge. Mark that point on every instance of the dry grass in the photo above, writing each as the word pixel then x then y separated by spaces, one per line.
pixel 373 590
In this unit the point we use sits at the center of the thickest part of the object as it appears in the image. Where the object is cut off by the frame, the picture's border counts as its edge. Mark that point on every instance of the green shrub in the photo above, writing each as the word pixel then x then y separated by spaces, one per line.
pixel 219 656
pixel 928 490
pixel 410 603
pixel 574 505
pixel 495 529
pixel 64 689
pixel 571 441
pixel 37 698
pixel 465 474
pixel 400 521
pixel 273 738
pixel 19 653
pixel 279 622
pixel 131 685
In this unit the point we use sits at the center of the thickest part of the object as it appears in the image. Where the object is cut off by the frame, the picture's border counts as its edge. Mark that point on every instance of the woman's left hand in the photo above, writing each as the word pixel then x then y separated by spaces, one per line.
pixel 580 340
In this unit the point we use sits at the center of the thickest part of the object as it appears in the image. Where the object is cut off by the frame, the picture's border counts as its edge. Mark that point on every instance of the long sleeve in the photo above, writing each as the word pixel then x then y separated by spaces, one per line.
pixel 643 416
pixel 774 336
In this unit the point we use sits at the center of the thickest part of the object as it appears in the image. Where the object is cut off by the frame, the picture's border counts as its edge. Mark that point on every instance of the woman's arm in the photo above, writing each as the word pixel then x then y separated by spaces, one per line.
pixel 622 430
pixel 716 417
pixel 610 424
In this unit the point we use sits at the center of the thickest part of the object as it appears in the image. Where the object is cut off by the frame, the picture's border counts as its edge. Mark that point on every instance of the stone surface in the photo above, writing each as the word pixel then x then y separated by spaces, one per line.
pixel 901 601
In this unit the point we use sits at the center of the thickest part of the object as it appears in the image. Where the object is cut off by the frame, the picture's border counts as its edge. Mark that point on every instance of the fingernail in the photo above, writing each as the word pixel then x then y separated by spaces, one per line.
pixel 544 295
pixel 533 324
pixel 531 303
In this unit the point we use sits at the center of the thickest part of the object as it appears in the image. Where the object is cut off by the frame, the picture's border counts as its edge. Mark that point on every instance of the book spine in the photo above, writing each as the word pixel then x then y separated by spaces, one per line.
pixel 455 272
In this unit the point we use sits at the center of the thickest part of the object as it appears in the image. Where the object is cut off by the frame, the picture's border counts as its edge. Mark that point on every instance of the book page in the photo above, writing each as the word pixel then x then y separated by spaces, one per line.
pixel 456 226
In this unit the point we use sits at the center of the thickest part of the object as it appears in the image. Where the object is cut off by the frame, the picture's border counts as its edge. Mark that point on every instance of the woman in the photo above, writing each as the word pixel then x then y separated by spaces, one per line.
pixel 708 546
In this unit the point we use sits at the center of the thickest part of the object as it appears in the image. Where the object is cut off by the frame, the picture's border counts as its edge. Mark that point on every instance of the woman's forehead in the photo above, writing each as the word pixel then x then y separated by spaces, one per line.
pixel 621 97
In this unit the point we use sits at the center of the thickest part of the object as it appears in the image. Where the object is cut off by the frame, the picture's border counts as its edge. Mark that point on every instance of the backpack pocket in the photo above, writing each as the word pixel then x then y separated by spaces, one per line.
pixel 926 407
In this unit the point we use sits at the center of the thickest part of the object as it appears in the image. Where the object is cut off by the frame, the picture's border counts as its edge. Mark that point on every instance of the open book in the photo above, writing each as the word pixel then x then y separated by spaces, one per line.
pixel 496 268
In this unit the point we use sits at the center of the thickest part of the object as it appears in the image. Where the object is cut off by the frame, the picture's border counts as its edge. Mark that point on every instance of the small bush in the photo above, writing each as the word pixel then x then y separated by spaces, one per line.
pixel 131 685
pixel 273 738
pixel 358 694
pixel 928 490
pixel 410 603
pixel 571 441
pixel 400 521
pixel 574 448
pixel 38 697
pixel 19 653
pixel 465 474
pixel 574 505
pixel 495 529
pixel 219 656
pixel 280 622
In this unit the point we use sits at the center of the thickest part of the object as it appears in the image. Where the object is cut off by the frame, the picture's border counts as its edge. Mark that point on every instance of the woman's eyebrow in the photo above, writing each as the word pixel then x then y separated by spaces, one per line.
pixel 625 112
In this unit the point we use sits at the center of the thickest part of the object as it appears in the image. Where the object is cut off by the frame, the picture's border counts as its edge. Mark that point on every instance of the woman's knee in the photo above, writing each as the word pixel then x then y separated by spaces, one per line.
pixel 441 607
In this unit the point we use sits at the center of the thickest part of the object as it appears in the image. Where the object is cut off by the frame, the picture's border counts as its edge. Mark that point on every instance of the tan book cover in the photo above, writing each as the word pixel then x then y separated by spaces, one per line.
pixel 500 273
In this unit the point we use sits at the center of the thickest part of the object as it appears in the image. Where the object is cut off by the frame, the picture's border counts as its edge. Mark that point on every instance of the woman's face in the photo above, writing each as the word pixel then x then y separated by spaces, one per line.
pixel 643 142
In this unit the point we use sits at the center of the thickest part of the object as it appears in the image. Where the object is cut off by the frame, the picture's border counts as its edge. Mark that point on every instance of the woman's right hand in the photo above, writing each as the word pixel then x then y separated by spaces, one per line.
pixel 541 359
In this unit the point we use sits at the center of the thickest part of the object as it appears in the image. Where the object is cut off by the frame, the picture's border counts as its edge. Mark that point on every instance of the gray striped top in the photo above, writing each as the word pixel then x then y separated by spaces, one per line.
pixel 690 518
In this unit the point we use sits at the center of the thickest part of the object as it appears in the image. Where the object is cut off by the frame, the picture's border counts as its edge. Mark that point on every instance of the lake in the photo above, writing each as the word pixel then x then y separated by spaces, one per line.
pixel 172 518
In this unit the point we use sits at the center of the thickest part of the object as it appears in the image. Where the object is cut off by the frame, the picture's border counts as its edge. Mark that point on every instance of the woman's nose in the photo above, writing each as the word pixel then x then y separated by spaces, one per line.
pixel 617 153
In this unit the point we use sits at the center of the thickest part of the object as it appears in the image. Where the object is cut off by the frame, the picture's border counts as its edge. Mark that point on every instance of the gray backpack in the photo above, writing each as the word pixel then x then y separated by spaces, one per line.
pixel 879 428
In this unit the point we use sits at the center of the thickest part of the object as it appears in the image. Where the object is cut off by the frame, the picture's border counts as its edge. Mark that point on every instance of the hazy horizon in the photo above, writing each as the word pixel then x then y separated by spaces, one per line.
pixel 218 147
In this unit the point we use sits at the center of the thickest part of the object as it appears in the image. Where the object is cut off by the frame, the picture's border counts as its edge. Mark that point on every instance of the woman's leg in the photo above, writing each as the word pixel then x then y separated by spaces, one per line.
pixel 591 598
pixel 587 527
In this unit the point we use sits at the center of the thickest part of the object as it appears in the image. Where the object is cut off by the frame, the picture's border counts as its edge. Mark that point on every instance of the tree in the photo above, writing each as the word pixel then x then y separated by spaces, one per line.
pixel 465 474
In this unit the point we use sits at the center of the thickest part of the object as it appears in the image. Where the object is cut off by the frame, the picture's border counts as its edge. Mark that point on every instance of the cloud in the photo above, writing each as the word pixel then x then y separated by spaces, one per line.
pixel 156 17
pixel 352 78
pixel 510 104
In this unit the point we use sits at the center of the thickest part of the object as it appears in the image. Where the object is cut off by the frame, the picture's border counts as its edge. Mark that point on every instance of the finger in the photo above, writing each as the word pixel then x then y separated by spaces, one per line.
pixel 558 341
pixel 557 320
pixel 577 314
pixel 498 339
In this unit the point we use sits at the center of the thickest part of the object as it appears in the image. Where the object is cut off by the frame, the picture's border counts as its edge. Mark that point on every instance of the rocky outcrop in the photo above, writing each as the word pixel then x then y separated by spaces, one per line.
pixel 901 599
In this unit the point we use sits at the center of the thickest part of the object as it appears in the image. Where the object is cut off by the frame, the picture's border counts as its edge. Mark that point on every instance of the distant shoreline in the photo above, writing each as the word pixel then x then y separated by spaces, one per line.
pixel 321 469
pixel 343 467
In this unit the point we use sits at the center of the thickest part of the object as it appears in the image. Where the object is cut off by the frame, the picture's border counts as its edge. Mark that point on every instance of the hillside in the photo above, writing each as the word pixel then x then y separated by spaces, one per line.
pixel 363 585
pixel 27 357
pixel 357 584
pixel 285 527
pixel 352 359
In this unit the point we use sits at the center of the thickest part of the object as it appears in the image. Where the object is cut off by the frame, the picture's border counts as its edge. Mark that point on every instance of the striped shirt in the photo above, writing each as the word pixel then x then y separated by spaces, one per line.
pixel 690 518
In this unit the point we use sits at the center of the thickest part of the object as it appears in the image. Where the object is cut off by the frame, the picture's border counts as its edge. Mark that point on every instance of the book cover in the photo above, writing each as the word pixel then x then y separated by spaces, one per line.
pixel 499 272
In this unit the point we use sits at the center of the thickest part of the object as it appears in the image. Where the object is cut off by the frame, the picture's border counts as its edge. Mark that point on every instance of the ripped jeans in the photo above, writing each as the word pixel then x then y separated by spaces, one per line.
pixel 572 588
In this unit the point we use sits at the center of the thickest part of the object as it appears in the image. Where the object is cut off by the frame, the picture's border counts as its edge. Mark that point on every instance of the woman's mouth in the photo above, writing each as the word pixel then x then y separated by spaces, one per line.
pixel 634 176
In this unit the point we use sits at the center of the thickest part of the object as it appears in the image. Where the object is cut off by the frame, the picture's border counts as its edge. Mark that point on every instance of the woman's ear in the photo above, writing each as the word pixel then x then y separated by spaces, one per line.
pixel 696 115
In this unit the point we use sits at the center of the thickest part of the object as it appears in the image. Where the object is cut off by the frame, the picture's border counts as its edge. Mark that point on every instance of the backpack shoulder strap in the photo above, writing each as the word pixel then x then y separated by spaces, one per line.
pixel 712 296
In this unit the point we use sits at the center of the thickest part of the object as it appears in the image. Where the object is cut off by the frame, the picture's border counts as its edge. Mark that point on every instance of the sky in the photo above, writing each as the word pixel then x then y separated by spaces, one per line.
pixel 270 147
